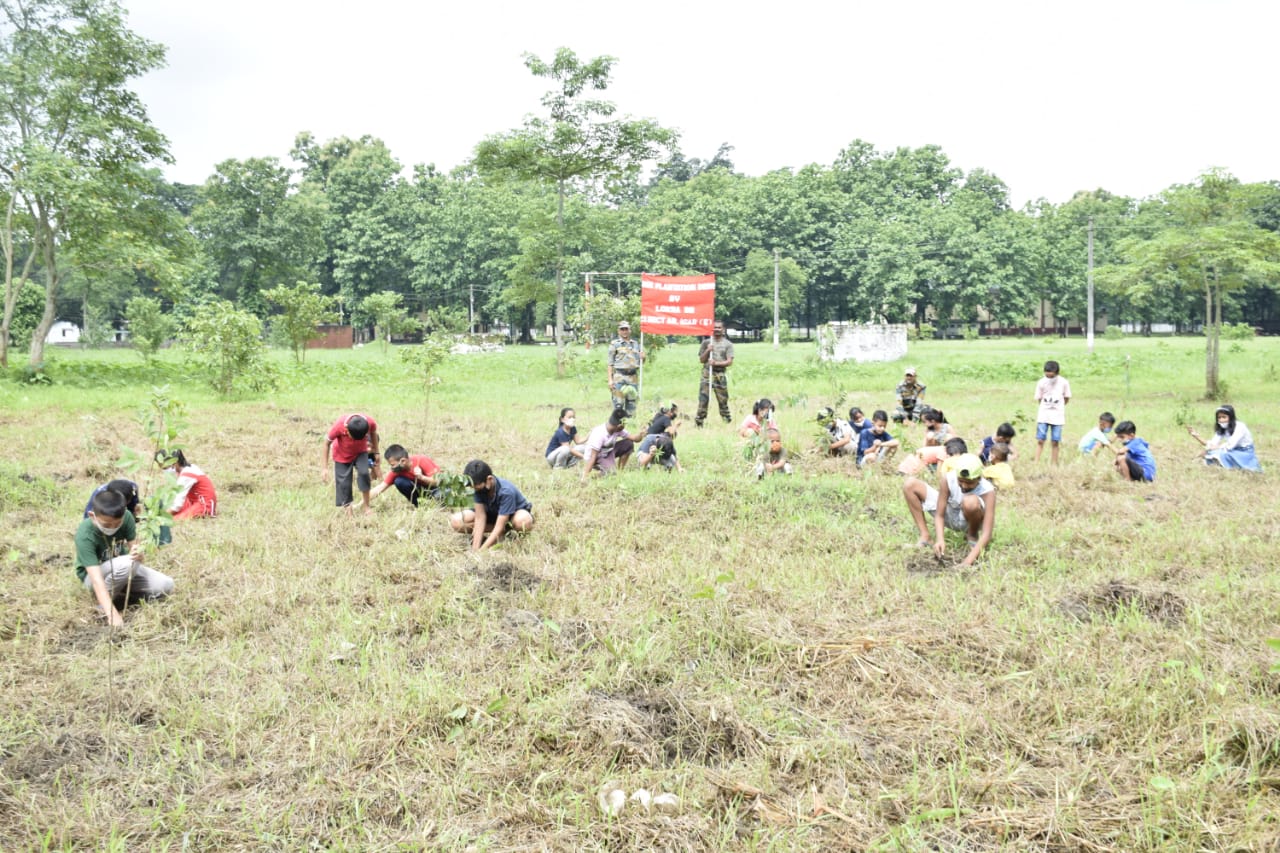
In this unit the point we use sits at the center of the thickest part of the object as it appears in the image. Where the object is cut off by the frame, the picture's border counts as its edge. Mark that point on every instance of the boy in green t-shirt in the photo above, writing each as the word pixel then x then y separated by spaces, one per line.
pixel 107 558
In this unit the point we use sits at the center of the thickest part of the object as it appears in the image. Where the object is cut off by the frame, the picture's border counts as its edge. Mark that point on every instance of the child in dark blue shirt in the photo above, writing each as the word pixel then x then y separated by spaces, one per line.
pixel 875 443
pixel 498 505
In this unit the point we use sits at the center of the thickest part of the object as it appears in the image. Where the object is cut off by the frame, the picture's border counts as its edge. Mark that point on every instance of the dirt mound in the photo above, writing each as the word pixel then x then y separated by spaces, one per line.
pixel 507 577
pixel 40 761
pixel 922 561
pixel 84 637
pixel 659 729
pixel 1108 599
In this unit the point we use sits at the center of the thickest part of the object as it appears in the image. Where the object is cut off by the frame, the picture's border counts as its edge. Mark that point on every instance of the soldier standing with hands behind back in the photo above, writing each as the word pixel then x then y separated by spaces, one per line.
pixel 625 358
pixel 718 352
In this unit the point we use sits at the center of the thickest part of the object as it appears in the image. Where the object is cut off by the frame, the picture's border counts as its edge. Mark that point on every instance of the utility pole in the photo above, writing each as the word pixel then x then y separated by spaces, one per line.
pixel 1089 331
pixel 776 276
pixel 586 313
pixel 471 312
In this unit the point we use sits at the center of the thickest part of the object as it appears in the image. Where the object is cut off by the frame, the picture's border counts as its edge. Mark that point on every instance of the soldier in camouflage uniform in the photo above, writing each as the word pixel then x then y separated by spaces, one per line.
pixel 719 350
pixel 625 357
pixel 910 398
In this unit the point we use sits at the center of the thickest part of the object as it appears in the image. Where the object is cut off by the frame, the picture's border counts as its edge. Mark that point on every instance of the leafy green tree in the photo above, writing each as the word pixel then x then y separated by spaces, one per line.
pixel 72 134
pixel 446 320
pixel 368 223
pixel 256 230
pixel 1057 275
pixel 747 297
pixel 149 326
pixel 426 360
pixel 27 310
pixel 466 240
pixel 303 308
pixel 678 168
pixel 228 342
pixel 578 146
pixel 388 316
pixel 96 331
pixel 699 225
pixel 1211 245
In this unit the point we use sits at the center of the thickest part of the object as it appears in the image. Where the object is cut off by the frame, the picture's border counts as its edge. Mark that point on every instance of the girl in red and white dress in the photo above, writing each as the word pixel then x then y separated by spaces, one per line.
pixel 197 497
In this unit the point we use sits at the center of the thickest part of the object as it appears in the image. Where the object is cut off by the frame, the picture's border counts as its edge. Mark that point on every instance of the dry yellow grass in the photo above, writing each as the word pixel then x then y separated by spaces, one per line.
pixel 768 652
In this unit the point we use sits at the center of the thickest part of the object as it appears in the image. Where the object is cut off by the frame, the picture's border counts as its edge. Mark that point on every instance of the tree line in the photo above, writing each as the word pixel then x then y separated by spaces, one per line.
pixel 875 235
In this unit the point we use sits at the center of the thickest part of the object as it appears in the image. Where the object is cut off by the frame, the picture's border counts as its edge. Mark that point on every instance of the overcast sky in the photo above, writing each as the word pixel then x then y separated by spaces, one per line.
pixel 1052 97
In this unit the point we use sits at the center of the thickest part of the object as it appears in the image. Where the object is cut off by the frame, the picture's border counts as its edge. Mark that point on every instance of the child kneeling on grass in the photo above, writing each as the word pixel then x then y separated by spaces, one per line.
pixel 498 505
pixel 998 470
pixel 107 558
pixel 875 443
pixel 412 475
pixel 775 456
pixel 964 500
pixel 1134 460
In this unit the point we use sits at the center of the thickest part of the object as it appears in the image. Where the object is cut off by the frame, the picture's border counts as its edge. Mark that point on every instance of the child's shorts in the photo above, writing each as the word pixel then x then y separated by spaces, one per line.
pixel 1042 431
pixel 954 517
pixel 1135 471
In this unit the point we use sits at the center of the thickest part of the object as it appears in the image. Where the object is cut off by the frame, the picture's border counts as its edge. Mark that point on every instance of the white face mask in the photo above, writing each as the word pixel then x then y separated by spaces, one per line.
pixel 107 531
pixel 568 422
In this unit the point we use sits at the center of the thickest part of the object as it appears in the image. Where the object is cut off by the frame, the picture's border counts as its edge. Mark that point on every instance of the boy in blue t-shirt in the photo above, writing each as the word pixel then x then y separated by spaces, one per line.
pixel 875 443
pixel 1134 460
pixel 498 504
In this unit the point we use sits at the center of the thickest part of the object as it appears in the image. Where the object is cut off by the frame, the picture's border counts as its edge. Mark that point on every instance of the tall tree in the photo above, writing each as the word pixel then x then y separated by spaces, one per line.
pixel 466 239
pixel 367 214
pixel 72 134
pixel 302 308
pixel 1211 245
pixel 1058 246
pixel 576 147
pixel 256 232
pixel 747 297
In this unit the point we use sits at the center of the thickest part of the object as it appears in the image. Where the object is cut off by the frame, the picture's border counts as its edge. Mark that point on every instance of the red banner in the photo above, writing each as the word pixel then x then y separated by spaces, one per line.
pixel 677 304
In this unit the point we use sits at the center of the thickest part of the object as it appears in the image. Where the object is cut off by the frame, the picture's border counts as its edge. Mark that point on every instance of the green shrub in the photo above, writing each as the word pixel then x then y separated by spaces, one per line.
pixel 1113 333
pixel 785 335
pixel 228 344
pixel 1237 331
pixel 923 332
pixel 149 326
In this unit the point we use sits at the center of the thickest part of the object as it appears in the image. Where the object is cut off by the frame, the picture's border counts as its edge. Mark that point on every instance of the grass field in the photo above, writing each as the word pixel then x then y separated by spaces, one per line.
pixel 769 652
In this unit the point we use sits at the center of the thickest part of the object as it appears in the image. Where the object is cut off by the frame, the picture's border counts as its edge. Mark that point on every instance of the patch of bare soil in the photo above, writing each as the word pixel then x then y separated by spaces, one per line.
pixel 83 636
pixel 659 729
pixel 922 561
pixel 241 488
pixel 40 761
pixel 507 577
pixel 97 472
pixel 576 635
pixel 1109 598
pixel 522 622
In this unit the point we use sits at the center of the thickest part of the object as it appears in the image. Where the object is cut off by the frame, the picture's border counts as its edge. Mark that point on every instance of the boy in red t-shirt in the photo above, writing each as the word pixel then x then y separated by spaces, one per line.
pixel 411 475
pixel 352 441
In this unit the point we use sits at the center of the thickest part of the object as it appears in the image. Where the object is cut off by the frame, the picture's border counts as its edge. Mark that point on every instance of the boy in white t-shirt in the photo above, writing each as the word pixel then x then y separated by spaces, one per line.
pixel 1053 392
pixel 964 500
